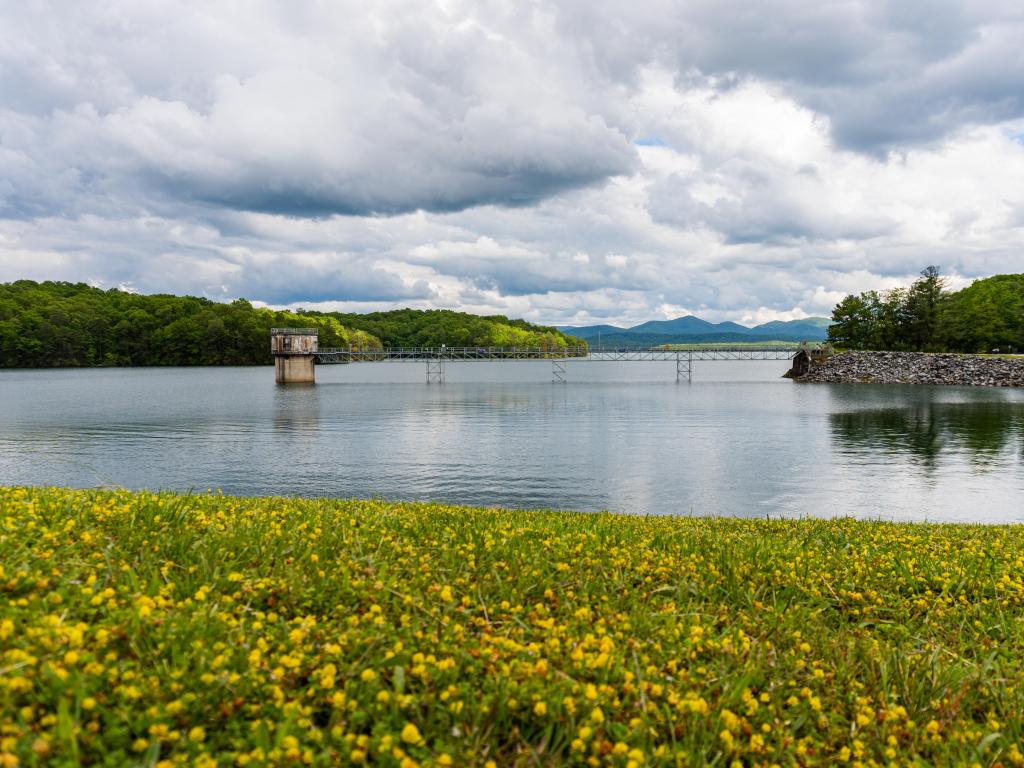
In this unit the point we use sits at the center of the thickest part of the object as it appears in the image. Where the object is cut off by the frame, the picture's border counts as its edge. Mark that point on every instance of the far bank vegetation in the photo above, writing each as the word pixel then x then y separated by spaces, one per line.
pixel 57 324
pixel 986 316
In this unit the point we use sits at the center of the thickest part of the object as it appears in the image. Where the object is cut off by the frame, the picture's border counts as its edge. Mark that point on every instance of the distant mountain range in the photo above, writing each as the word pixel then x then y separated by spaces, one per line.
pixel 693 330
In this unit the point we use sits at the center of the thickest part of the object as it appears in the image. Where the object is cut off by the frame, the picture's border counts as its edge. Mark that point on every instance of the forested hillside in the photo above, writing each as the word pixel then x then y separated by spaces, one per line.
pixel 987 315
pixel 55 324
pixel 434 327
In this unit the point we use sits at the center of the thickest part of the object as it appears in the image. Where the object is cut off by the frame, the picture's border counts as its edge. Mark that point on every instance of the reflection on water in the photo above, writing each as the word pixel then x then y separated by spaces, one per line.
pixel 928 429
pixel 297 409
pixel 738 441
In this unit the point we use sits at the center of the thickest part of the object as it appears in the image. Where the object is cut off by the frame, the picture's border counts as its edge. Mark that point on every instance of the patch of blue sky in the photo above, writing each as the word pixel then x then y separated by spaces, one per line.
pixel 1013 134
pixel 650 141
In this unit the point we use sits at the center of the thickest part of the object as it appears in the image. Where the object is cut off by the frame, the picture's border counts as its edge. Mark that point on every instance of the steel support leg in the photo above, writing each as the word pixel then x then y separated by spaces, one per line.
pixel 684 367
pixel 558 375
pixel 435 371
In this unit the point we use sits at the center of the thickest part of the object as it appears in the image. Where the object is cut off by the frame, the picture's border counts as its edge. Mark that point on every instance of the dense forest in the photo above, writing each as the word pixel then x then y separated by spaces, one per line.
pixel 986 316
pixel 434 327
pixel 56 324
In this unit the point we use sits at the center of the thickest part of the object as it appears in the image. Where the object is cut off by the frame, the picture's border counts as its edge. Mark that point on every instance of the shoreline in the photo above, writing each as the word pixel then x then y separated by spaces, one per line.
pixel 933 368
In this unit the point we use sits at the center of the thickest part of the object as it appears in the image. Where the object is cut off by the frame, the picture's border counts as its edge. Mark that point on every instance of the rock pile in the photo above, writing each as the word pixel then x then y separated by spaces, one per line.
pixel 920 368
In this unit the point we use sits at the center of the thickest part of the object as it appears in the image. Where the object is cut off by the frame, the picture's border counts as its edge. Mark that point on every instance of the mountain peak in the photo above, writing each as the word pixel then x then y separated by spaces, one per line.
pixel 691 329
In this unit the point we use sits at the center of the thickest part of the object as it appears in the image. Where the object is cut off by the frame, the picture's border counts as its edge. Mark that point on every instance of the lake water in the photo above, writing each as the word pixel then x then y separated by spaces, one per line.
pixel 738 441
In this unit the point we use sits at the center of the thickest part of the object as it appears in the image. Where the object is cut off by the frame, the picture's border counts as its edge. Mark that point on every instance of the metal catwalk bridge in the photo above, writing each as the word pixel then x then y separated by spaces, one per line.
pixel 435 357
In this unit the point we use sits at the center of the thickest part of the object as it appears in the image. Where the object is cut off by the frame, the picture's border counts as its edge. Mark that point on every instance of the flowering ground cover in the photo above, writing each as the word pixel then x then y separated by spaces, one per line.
pixel 162 629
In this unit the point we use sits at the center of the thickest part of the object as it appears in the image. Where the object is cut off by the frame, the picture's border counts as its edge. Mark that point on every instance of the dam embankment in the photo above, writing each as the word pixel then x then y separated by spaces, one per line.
pixel 919 368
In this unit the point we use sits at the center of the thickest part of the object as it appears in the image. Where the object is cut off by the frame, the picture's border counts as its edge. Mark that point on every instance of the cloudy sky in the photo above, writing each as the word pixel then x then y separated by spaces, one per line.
pixel 571 162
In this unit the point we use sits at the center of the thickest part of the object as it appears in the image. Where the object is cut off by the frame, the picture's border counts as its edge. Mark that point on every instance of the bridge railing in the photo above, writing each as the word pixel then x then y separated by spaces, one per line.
pixel 543 352
pixel 294 331
pixel 459 352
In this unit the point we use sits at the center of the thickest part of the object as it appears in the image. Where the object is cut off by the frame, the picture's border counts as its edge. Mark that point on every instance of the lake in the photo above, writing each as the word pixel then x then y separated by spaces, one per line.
pixel 737 441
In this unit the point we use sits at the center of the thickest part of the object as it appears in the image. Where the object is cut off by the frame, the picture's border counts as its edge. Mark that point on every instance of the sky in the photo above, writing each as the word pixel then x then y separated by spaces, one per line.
pixel 576 162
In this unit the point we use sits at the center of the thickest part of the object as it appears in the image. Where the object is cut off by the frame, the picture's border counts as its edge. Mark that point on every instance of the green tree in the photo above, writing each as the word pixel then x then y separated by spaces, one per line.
pixel 889 309
pixel 986 315
pixel 923 305
pixel 852 323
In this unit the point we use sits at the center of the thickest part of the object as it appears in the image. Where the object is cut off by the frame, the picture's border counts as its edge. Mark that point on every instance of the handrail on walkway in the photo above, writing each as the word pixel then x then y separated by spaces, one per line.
pixel 577 350
pixel 294 331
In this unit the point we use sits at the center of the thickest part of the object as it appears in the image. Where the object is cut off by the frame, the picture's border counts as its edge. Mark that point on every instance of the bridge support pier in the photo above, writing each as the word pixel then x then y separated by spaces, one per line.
pixel 558 374
pixel 435 371
pixel 684 367
pixel 294 370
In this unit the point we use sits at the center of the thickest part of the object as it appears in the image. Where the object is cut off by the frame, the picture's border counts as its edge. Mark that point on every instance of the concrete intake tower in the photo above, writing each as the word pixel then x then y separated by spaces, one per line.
pixel 294 351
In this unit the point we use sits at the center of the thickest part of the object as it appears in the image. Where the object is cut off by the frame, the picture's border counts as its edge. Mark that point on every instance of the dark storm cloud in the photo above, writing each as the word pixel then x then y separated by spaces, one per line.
pixel 341 288
pixel 349 118
pixel 327 277
pixel 381 194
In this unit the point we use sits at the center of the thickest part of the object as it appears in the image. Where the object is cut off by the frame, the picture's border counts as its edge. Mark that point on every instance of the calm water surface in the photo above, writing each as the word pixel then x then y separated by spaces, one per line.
pixel 622 436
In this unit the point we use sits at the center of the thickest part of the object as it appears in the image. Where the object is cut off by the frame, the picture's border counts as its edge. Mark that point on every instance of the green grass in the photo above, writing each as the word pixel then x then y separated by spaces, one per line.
pixel 161 629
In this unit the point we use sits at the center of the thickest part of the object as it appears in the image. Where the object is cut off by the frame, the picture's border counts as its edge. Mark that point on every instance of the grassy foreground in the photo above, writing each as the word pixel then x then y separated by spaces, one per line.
pixel 159 629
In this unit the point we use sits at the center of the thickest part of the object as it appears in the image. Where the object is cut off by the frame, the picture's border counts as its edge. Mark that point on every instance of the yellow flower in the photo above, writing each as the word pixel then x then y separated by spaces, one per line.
pixel 540 709
pixel 411 734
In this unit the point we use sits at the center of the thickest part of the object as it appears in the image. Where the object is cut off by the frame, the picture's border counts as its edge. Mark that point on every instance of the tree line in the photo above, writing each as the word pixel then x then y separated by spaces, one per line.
pixel 60 324
pixel 437 327
pixel 986 316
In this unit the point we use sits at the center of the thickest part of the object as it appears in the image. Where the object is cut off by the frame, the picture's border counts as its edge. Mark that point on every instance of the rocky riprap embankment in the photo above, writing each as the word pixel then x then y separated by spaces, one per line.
pixel 920 368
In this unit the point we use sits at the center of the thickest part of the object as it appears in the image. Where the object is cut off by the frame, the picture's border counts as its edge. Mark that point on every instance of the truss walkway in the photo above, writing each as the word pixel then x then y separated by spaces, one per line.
pixel 435 358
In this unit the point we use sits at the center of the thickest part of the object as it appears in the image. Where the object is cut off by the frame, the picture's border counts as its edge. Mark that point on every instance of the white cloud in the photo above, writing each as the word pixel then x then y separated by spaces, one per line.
pixel 573 163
